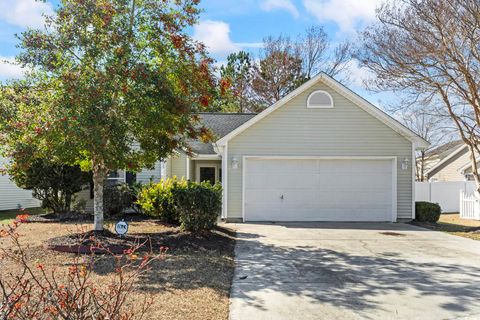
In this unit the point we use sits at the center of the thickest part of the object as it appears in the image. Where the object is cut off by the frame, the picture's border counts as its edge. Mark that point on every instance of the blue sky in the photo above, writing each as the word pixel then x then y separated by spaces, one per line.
pixel 225 26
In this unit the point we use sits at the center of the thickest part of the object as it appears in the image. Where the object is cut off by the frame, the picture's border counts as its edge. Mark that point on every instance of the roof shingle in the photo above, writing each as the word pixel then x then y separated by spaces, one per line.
pixel 220 124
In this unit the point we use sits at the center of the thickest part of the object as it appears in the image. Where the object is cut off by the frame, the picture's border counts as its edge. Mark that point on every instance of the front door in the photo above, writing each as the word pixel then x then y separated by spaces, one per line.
pixel 208 174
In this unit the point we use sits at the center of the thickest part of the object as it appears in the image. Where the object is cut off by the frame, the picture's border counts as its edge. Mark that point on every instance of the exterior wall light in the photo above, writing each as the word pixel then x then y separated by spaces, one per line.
pixel 235 163
pixel 405 164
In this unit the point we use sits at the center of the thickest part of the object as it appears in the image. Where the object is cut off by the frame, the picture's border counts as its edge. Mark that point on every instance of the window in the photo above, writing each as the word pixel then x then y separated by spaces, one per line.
pixel 208 172
pixel 319 100
pixel 115 177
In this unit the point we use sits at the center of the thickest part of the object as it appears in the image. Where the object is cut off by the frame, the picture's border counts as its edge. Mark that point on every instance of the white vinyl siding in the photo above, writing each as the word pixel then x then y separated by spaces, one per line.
pixel 345 130
pixel 13 197
pixel 153 174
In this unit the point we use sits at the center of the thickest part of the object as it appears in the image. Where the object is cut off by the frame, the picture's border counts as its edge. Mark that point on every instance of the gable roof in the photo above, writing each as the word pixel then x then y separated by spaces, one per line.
pixel 220 124
pixel 457 152
pixel 445 149
pixel 418 141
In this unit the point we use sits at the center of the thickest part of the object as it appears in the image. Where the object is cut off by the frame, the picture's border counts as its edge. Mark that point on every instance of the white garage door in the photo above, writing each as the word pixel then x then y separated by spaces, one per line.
pixel 318 190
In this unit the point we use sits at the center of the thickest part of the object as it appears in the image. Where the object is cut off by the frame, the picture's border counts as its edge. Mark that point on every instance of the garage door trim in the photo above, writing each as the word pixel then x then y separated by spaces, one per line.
pixel 393 159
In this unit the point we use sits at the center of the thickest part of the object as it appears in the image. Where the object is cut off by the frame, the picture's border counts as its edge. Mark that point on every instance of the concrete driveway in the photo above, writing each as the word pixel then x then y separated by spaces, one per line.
pixel 353 271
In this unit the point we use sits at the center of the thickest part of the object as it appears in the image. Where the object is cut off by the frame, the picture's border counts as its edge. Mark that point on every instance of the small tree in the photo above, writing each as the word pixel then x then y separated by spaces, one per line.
pixel 53 184
pixel 44 292
pixel 114 84
pixel 429 51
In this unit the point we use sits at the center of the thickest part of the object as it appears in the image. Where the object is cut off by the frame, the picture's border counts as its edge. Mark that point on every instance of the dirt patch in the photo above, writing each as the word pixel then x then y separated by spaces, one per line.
pixel 394 234
pixel 192 281
pixel 451 223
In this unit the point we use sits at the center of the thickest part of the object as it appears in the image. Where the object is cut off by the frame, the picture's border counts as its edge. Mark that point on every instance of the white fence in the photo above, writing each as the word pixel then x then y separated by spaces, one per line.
pixel 446 194
pixel 469 206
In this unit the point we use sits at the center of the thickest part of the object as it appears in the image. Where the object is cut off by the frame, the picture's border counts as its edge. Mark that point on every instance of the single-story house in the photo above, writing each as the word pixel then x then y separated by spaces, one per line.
pixel 322 153
pixel 437 154
pixel 455 165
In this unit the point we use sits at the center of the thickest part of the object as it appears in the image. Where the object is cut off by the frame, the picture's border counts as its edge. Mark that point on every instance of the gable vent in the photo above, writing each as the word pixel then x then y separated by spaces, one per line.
pixel 319 99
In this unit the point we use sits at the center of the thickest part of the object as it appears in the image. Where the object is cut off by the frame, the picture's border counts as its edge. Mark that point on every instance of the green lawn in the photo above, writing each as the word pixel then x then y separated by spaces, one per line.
pixel 8 216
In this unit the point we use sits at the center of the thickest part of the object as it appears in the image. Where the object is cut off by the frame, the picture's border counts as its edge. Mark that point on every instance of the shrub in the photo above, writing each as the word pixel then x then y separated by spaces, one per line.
pixel 194 206
pixel 157 201
pixel 117 198
pixel 427 211
pixel 198 205
pixel 43 292
pixel 52 183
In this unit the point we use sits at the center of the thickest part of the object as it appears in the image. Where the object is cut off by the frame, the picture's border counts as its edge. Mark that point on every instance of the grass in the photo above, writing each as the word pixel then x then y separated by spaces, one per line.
pixel 7 216
pixel 192 281
pixel 451 223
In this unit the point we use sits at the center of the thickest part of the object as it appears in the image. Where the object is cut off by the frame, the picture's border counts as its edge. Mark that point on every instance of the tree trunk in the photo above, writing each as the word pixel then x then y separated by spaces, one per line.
pixel 99 175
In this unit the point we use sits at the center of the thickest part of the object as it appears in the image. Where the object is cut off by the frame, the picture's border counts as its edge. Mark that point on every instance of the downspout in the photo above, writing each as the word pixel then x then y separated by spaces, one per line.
pixel 223 152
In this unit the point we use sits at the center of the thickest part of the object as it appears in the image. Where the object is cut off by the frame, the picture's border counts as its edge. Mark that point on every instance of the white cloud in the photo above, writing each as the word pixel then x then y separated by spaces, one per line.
pixel 24 13
pixel 345 13
pixel 8 68
pixel 269 5
pixel 216 36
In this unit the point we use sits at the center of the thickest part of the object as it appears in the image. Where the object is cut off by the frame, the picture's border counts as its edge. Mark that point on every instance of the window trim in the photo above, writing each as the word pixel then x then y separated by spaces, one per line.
pixel 320 107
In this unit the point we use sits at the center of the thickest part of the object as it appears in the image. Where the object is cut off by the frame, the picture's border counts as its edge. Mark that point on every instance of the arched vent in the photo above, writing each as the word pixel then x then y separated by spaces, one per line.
pixel 319 99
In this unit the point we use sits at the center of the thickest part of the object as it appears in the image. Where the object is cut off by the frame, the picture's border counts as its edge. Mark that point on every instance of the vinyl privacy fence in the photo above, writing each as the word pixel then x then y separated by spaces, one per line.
pixel 446 194
pixel 469 206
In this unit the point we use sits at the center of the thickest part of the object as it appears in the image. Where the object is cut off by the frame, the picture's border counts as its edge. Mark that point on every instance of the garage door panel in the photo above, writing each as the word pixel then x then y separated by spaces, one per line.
pixel 280 180
pixel 318 190
pixel 298 166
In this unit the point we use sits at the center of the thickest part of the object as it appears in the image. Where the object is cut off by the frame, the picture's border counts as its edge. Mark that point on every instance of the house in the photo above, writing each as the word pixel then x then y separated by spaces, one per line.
pixel 11 196
pixel 453 163
pixel 122 176
pixel 322 153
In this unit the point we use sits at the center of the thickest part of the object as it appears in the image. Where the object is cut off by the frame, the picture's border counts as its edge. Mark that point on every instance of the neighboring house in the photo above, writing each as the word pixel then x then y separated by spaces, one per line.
pixel 453 165
pixel 435 155
pixel 322 153
pixel 11 196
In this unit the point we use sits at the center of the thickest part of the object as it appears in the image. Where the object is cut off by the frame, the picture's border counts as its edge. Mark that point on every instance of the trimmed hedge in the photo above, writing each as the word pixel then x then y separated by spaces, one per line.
pixel 194 206
pixel 427 211
pixel 117 198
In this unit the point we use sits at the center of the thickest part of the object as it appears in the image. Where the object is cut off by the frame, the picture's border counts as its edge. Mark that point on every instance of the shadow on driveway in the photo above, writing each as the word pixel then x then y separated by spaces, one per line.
pixel 374 278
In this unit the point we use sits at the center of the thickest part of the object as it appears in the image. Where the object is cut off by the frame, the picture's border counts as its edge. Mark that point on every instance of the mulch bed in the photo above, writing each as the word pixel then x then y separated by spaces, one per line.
pixel 79 217
pixel 54 218
pixel 174 239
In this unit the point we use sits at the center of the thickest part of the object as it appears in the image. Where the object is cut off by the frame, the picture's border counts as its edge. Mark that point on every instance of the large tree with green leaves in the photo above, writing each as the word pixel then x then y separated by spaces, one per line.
pixel 113 84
